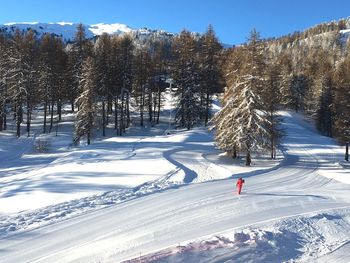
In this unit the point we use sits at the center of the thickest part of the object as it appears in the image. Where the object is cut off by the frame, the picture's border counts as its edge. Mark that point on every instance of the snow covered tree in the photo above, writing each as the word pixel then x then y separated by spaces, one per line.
pixel 78 51
pixel 242 121
pixel 85 116
pixel 18 78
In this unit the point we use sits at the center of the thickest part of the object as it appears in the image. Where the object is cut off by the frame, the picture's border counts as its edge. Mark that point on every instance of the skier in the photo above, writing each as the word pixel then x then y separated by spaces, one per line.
pixel 239 185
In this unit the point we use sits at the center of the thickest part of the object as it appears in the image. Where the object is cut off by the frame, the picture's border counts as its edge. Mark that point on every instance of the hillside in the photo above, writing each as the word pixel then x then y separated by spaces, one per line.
pixel 68 30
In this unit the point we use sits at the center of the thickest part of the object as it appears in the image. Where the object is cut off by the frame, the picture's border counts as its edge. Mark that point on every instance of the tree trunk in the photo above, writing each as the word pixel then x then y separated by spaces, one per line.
pixel 19 119
pixel 88 137
pixel 159 101
pixel 248 159
pixel 150 100
pixel 29 115
pixel 109 109
pixel 116 113
pixel 59 109
pixel 45 115
pixel 272 149
pixel 72 104
pixel 5 117
pixel 72 98
pixel 51 115
pixel 234 152
pixel 347 152
pixel 154 110
pixel 15 112
pixel 122 115
pixel 207 104
pixel 1 117
pixel 142 104
pixel 188 119
pixel 201 106
pixel 127 110
pixel 103 118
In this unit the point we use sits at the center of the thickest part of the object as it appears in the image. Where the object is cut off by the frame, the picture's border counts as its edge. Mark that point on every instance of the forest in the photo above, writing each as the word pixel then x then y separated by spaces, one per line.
pixel 106 80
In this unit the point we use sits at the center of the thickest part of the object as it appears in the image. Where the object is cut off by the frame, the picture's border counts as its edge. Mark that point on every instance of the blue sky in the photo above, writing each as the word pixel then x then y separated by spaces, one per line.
pixel 232 19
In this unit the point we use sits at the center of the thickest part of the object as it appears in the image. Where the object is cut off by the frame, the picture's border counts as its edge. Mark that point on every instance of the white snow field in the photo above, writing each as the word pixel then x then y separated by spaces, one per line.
pixel 171 198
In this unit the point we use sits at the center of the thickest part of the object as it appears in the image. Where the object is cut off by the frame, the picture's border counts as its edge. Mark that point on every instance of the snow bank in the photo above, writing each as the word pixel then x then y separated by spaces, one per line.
pixel 308 238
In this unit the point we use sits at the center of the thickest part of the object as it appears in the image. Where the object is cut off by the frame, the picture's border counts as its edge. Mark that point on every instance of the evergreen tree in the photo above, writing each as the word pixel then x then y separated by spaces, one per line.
pixel 30 52
pixel 141 79
pixel 4 69
pixel 125 59
pixel 52 66
pixel 342 104
pixel 80 49
pixel 211 74
pixel 85 116
pixel 18 78
pixel 103 66
pixel 272 104
pixel 242 121
pixel 187 81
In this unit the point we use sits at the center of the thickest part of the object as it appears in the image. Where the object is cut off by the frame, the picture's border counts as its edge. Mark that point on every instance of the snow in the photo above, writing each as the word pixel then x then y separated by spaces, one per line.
pixel 99 29
pixel 21 23
pixel 68 29
pixel 169 196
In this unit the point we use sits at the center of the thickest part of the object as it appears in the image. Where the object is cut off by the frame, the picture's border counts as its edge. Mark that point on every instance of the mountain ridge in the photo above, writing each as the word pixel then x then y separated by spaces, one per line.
pixel 68 29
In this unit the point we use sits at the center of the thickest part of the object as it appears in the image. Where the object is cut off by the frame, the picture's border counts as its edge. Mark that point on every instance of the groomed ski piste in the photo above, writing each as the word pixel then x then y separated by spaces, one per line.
pixel 163 195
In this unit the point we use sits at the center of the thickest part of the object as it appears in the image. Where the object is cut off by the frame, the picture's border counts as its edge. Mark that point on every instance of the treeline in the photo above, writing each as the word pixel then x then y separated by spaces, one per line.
pixel 263 76
pixel 106 80
pixel 334 26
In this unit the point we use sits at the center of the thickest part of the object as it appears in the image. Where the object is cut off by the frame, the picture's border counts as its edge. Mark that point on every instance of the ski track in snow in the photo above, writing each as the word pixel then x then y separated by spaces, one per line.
pixel 179 216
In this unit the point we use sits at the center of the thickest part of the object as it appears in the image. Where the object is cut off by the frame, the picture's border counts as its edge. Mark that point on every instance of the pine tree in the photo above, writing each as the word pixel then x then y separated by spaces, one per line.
pixel 159 61
pixel 30 51
pixel 242 121
pixel 18 78
pixel 85 116
pixel 125 59
pixel 80 49
pixel 299 87
pixel 52 66
pixel 342 104
pixel 103 65
pixel 141 80
pixel 4 69
pixel 211 74
pixel 187 81
pixel 272 104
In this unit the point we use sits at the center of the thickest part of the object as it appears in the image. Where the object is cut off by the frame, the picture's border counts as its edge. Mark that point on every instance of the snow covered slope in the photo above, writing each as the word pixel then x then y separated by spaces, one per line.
pixel 67 30
pixel 289 212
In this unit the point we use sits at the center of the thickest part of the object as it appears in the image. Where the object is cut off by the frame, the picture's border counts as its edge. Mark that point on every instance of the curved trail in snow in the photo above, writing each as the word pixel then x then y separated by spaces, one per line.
pixel 167 218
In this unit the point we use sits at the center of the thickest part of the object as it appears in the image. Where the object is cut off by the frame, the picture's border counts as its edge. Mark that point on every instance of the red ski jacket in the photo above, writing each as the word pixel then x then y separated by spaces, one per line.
pixel 240 182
